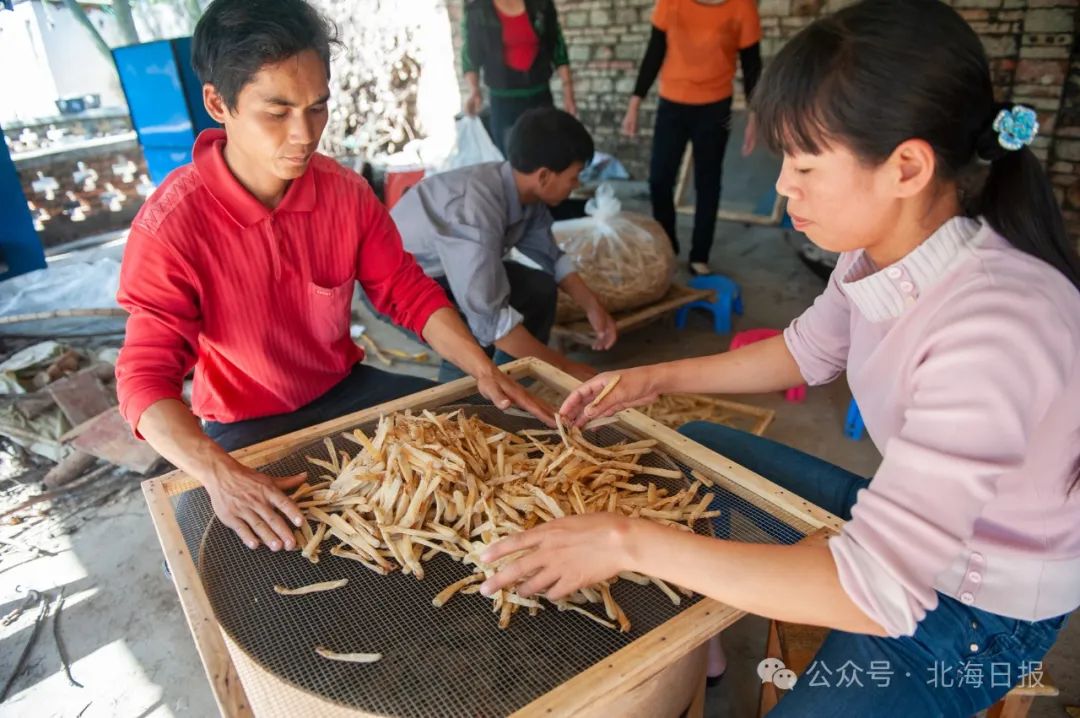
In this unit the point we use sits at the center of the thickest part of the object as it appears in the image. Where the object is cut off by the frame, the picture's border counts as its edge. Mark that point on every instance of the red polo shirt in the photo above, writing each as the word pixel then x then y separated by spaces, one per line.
pixel 258 301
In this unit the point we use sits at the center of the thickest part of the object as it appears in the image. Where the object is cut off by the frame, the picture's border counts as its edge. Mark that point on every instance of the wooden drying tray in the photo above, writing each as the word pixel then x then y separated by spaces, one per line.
pixel 684 206
pixel 722 411
pixel 579 332
pixel 658 674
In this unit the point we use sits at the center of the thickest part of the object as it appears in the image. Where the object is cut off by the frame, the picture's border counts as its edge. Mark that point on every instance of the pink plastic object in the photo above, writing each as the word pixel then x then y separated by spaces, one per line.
pixel 398 181
pixel 796 393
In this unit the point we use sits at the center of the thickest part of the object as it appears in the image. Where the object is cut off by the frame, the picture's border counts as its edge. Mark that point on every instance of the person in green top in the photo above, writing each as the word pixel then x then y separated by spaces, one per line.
pixel 516 45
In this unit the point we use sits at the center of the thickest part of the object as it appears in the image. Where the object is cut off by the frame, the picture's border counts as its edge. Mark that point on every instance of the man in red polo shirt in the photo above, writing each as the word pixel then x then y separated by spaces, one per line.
pixel 243 263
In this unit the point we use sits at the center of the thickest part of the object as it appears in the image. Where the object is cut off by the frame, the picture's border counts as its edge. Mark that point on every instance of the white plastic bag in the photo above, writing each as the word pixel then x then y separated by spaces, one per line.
pixel 625 258
pixel 473 145
pixel 66 284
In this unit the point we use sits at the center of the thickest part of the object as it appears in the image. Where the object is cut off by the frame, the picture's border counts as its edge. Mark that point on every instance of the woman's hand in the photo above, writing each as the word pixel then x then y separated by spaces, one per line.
pixel 255 506
pixel 561 556
pixel 636 387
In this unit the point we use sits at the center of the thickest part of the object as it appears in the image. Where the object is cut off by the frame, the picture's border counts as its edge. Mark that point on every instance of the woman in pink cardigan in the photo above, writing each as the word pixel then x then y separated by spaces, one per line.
pixel 955 312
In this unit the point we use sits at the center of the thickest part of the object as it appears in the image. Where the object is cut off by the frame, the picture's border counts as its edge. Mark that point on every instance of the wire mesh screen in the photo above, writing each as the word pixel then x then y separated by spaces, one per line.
pixel 448 661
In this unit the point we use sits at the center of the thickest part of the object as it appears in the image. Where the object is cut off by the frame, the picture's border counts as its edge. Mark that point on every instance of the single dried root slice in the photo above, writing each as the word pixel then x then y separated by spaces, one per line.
pixel 667 590
pixel 348 657
pixel 605 391
pixel 447 593
pixel 567 606
pixel 312 588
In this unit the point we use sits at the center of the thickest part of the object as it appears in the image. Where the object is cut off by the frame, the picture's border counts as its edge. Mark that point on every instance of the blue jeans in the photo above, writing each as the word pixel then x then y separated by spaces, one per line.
pixel 960 659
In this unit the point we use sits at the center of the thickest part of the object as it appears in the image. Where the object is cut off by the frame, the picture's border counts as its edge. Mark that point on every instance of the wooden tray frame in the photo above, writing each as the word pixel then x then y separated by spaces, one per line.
pixel 675 649
pixel 763 418
pixel 579 332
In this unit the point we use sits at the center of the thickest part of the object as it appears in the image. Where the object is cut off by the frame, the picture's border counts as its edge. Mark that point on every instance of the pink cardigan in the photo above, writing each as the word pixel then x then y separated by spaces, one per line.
pixel 964 358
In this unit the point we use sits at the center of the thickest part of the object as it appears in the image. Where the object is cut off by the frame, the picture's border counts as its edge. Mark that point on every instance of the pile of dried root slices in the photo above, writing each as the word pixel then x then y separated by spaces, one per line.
pixel 450 483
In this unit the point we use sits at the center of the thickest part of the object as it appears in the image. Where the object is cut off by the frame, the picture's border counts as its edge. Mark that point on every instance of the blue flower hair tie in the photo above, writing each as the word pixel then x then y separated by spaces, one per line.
pixel 1016 128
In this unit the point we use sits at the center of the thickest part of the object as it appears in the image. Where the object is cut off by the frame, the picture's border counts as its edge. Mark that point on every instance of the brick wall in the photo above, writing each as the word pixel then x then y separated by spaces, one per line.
pixel 1031 44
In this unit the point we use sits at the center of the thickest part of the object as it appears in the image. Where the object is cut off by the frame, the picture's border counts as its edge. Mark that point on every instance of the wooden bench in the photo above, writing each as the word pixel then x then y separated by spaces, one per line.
pixel 578 332
pixel 796 645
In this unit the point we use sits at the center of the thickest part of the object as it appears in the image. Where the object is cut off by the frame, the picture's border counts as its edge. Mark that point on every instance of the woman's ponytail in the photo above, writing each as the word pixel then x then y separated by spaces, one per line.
pixel 1019 204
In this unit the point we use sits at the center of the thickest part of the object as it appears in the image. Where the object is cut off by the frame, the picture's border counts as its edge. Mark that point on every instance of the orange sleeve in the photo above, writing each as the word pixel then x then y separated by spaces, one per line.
pixel 660 15
pixel 749 25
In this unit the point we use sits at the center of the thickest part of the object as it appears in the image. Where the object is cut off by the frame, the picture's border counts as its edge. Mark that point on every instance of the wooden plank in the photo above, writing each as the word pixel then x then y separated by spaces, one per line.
pixel 34 404
pixel 579 332
pixel 768 696
pixel 76 431
pixel 793 643
pixel 80 396
pixel 108 437
pixel 776 213
pixel 70 468
pixel 220 671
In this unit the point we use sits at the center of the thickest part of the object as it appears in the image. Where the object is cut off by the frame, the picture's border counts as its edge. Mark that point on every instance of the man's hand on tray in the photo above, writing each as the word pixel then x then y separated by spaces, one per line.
pixel 255 506
pixel 503 391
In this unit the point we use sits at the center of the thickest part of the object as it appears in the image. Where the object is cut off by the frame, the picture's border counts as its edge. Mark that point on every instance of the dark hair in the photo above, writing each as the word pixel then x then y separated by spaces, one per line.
pixel 880 72
pixel 547 137
pixel 234 39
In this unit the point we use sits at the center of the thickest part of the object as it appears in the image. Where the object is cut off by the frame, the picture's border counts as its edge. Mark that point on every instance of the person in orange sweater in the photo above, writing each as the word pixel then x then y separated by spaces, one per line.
pixel 694 47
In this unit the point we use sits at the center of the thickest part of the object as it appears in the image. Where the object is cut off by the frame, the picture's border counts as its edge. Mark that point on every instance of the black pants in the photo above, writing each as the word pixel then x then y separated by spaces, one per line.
pixel 533 294
pixel 707 128
pixel 506 110
pixel 364 387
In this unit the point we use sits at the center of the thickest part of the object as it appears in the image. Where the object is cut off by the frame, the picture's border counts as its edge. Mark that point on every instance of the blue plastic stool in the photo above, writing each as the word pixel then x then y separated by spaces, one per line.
pixel 853 424
pixel 728 300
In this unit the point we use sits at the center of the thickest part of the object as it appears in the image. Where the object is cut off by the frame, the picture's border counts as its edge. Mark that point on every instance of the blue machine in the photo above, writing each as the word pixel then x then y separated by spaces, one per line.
pixel 165 100
pixel 20 248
